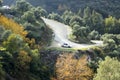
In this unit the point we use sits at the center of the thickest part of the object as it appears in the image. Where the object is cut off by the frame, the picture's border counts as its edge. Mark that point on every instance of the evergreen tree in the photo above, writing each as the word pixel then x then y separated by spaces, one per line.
pixel 97 22
pixel 76 19
pixel 67 16
pixel 81 33
pixel 87 16
pixel 23 6
pixel 79 13
pixel 29 16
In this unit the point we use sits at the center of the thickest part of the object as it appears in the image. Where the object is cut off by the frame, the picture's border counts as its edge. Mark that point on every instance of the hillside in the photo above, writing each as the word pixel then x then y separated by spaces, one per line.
pixel 26 50
pixel 22 34
pixel 106 7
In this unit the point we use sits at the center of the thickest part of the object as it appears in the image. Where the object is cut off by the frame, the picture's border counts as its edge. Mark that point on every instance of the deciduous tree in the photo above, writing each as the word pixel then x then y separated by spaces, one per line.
pixel 109 69
pixel 68 68
pixel 13 26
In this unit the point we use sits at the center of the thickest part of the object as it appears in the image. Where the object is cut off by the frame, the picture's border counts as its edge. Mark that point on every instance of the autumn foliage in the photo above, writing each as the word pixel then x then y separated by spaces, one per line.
pixel 13 26
pixel 69 68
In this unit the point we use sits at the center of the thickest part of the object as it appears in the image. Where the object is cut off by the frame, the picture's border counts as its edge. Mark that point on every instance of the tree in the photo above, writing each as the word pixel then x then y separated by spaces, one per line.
pixel 1 31
pixel 109 69
pixel 6 63
pixel 39 12
pixel 76 19
pixel 75 23
pixel 110 45
pixel 55 16
pixel 67 15
pixel 13 43
pixel 2 73
pixel 5 35
pixel 23 60
pixel 79 13
pixel 97 22
pixel 108 36
pixel 87 12
pixel 22 6
pixel 112 25
pixel 35 32
pixel 87 17
pixel 94 35
pixel 29 17
pixel 81 34
pixel 118 39
pixel 38 68
pixel 68 68
pixel 9 24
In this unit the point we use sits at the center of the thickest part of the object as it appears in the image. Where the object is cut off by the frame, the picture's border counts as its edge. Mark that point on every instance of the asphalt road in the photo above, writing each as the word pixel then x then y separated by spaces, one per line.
pixel 61 32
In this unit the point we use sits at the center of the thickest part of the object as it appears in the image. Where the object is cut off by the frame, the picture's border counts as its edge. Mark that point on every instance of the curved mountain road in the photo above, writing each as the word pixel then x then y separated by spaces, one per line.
pixel 61 32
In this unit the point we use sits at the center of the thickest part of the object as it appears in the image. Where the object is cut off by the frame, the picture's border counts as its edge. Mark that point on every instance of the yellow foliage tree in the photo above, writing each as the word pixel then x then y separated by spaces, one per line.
pixel 13 26
pixel 68 68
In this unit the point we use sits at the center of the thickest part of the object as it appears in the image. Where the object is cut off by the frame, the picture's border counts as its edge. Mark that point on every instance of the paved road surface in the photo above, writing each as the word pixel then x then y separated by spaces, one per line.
pixel 61 32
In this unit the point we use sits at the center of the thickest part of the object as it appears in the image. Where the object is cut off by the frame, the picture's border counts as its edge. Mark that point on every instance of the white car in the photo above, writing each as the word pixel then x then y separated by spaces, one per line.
pixel 65 45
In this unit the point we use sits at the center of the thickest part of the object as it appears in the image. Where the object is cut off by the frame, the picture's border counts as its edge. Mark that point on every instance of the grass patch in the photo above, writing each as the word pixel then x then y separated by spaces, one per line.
pixel 61 49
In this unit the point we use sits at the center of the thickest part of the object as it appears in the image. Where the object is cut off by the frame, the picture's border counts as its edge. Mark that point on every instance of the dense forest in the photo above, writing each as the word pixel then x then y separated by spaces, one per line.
pixel 25 39
pixel 105 7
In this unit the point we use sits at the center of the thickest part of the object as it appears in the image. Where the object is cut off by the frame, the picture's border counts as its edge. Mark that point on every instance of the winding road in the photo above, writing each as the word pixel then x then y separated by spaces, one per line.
pixel 61 32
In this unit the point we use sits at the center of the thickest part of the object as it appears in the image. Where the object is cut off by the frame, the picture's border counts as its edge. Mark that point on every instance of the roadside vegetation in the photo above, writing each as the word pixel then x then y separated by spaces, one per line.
pixel 25 38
